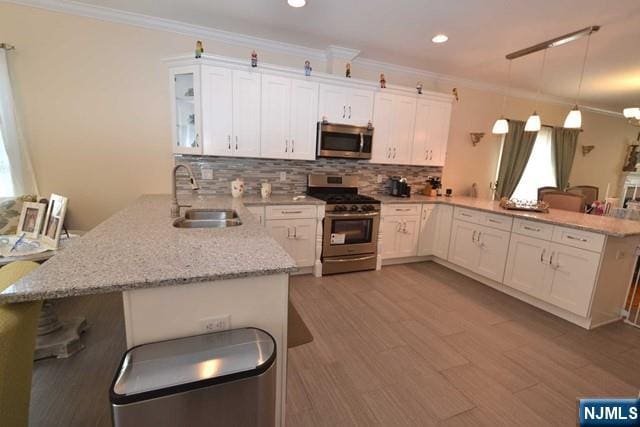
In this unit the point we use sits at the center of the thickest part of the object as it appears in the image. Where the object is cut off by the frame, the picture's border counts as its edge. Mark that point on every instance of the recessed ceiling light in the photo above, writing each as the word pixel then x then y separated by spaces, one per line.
pixel 439 38
pixel 297 3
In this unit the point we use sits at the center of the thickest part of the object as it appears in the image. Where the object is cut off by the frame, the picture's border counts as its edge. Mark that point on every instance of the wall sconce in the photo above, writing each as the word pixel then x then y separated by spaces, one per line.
pixel 476 137
pixel 586 149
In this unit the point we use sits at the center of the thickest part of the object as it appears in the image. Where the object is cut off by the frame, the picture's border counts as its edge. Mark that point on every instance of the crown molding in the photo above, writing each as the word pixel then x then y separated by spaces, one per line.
pixel 197 31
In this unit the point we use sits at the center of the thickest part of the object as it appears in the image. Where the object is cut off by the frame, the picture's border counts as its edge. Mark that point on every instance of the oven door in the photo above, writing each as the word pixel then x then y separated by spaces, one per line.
pixel 335 140
pixel 350 234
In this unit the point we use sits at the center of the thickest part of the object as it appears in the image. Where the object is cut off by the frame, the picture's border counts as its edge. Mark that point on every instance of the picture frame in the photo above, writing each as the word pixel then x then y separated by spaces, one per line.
pixel 31 217
pixel 54 221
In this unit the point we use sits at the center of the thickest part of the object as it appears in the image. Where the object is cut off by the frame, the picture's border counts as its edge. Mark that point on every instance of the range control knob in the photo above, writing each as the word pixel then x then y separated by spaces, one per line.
pixel 354 208
pixel 367 208
pixel 340 208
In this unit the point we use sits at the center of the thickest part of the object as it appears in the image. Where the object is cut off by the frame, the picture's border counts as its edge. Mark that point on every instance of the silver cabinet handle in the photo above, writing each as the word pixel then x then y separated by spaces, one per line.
pixel 236 142
pixel 388 152
pixel 288 233
pixel 494 221
pixel 286 145
pixel 580 239
pixel 430 154
pixel 394 152
pixel 551 258
pixel 426 155
pixel 537 230
pixel 542 255
pixel 344 111
pixel 473 237
pixel 293 147
pixel 197 140
pixel 295 232
pixel 403 209
pixel 465 214
pixel 229 141
pixel 478 240
pixel 349 111
pixel 291 212
pixel 361 141
pixel 399 227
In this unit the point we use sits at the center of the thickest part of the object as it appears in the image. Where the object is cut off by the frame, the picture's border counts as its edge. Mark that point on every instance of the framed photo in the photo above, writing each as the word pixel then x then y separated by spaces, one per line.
pixel 54 221
pixel 31 219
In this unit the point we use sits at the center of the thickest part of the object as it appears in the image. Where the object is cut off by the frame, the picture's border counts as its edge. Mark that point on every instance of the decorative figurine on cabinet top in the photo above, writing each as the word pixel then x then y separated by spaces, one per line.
pixel 383 81
pixel 254 59
pixel 199 49
pixel 455 93
pixel 347 72
pixel 307 68
pixel 419 88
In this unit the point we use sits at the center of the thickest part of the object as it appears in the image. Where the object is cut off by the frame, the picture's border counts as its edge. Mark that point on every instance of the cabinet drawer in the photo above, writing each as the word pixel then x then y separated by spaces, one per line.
pixel 469 215
pixel 533 229
pixel 401 210
pixel 578 238
pixel 290 211
pixel 501 222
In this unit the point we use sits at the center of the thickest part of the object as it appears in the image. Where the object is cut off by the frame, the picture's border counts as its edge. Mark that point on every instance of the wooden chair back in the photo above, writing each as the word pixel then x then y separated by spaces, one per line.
pixel 546 189
pixel 589 192
pixel 564 201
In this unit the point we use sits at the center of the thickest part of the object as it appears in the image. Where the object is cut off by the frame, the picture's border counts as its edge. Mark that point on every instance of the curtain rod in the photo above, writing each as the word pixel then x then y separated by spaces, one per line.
pixel 7 46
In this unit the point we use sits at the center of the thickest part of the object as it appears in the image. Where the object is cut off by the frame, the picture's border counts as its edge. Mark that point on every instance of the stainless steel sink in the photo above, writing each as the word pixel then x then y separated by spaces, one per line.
pixel 208 218
pixel 211 214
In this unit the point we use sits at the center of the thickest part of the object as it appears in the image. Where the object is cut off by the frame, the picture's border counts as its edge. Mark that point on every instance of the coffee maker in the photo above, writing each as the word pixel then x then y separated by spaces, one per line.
pixel 399 187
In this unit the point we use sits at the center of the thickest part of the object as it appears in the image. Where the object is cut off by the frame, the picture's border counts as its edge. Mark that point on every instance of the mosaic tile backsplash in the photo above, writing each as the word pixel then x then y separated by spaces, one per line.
pixel 256 171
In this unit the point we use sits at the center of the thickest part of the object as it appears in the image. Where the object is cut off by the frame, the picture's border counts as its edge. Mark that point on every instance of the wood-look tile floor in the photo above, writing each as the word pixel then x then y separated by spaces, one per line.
pixel 414 344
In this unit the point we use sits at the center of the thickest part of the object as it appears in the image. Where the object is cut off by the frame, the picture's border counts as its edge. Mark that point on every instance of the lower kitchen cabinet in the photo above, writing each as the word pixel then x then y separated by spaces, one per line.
pixel 258 212
pixel 435 230
pixel 297 237
pixel 480 249
pixel 558 274
pixel 399 236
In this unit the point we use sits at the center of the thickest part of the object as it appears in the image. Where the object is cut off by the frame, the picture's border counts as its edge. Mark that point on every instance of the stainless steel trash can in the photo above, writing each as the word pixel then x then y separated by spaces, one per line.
pixel 220 379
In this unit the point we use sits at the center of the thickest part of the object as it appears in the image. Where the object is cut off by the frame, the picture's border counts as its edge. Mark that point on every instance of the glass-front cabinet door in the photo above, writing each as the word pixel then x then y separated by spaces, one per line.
pixel 185 101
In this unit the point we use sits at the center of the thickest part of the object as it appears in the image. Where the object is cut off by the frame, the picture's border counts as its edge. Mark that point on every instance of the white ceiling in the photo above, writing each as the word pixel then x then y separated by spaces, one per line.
pixel 480 33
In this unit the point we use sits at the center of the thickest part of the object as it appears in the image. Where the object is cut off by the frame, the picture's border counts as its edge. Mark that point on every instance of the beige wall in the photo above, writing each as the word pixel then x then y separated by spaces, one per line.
pixel 93 97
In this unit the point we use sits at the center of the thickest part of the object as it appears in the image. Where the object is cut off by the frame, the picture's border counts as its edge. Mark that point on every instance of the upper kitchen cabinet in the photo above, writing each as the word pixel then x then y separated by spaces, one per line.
pixel 185 107
pixel 341 104
pixel 231 112
pixel 289 112
pixel 393 120
pixel 431 132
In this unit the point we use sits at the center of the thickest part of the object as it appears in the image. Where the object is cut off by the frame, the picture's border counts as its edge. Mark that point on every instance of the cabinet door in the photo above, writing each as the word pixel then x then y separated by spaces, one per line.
pixel 185 110
pixel 407 239
pixel 302 245
pixel 402 127
pixel 527 264
pixel 281 232
pixel 246 114
pixel 360 107
pixel 276 115
pixel 217 111
pixel 382 119
pixel 444 215
pixel 573 278
pixel 390 232
pixel 333 104
pixel 463 250
pixel 438 131
pixel 420 150
pixel 428 224
pixel 304 113
pixel 494 247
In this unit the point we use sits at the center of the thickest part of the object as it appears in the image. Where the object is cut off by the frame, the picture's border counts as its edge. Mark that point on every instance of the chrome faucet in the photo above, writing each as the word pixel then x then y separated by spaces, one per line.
pixel 175 207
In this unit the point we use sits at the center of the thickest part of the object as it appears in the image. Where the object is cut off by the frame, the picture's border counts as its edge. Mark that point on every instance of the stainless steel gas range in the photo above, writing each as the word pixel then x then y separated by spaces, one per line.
pixel 350 239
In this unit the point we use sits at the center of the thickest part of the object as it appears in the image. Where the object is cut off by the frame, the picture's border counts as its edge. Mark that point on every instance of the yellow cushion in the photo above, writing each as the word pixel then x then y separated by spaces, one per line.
pixel 18 327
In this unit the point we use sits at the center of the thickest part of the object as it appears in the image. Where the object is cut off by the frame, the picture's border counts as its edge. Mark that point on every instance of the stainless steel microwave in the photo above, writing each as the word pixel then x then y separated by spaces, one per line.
pixel 346 141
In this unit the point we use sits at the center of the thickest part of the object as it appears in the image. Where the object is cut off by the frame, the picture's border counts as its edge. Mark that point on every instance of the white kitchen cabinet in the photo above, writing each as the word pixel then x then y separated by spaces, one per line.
pixel 246 114
pixel 297 237
pixel 342 104
pixel 431 132
pixel 289 110
pixel 558 274
pixel 217 106
pixel 258 213
pixel 393 118
pixel 186 110
pixel 400 236
pixel 428 224
pixel 444 221
pixel 480 249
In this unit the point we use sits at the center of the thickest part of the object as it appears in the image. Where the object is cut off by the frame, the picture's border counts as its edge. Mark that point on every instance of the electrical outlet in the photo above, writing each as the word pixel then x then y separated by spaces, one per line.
pixel 283 176
pixel 207 173
pixel 380 178
pixel 215 324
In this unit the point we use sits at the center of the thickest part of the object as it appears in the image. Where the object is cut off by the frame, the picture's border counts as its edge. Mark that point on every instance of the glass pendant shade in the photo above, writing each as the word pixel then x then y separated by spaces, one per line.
pixel 533 123
pixel 500 127
pixel 632 113
pixel 574 119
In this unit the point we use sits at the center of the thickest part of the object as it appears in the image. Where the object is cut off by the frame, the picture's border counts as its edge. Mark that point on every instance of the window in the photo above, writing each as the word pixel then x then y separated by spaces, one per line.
pixel 6 182
pixel 539 171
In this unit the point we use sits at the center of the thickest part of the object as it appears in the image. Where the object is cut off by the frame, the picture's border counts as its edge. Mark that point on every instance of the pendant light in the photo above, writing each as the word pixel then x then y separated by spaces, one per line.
pixel 574 118
pixel 533 122
pixel 501 126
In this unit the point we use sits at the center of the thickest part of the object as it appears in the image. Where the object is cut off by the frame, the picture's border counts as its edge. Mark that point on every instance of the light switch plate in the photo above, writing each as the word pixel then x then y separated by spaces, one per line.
pixel 380 178
pixel 207 173
pixel 283 176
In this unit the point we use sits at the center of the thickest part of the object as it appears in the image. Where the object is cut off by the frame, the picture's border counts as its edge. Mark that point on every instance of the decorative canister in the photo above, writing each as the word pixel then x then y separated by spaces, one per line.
pixel 237 188
pixel 265 190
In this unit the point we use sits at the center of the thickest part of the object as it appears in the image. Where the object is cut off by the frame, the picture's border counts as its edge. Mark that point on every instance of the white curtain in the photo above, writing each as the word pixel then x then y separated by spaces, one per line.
pixel 16 174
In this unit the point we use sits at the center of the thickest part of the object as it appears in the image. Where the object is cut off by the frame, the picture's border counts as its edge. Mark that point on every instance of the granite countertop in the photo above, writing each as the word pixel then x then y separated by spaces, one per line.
pixel 276 199
pixel 138 247
pixel 599 224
